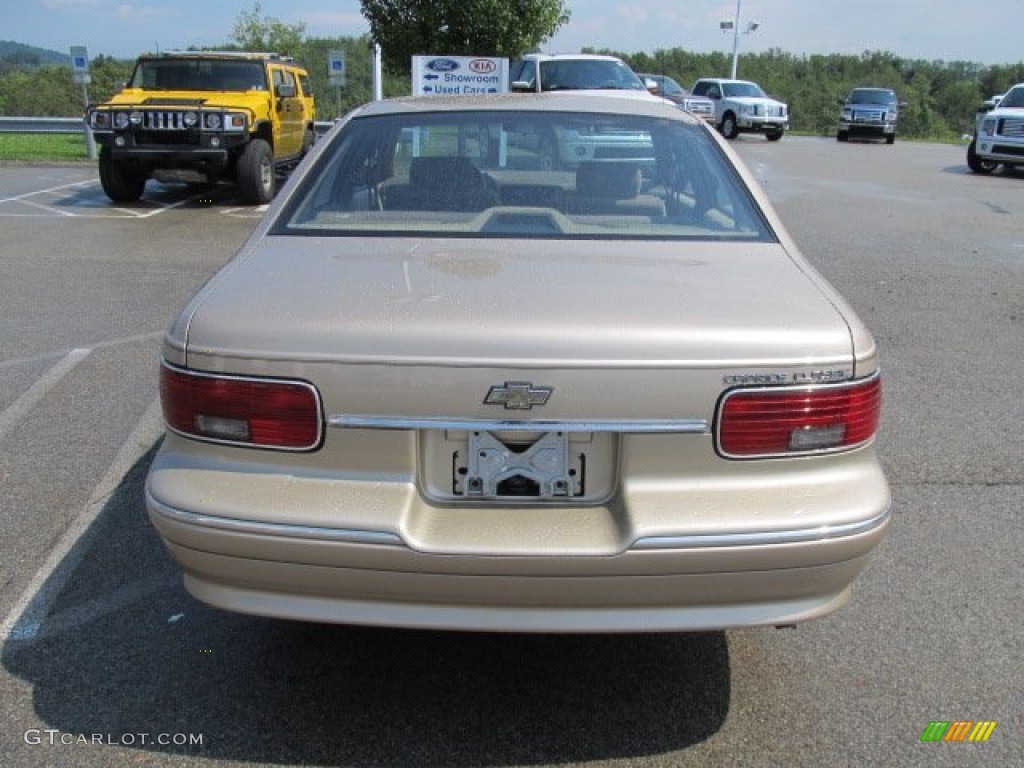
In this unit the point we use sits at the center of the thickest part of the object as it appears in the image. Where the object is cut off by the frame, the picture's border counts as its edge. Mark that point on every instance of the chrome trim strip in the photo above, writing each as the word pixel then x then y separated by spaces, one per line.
pixel 345 535
pixel 649 426
pixel 648 543
pixel 705 541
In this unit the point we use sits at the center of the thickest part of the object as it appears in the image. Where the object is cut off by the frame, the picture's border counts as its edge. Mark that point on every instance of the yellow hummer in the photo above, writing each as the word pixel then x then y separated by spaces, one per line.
pixel 202 117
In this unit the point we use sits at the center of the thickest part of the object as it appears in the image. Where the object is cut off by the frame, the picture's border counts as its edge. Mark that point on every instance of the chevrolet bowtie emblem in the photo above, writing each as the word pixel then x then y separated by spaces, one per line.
pixel 518 395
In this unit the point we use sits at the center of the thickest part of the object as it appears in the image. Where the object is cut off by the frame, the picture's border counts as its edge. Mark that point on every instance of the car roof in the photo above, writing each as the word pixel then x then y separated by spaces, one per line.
pixel 613 102
pixel 246 55
pixel 723 80
pixel 582 56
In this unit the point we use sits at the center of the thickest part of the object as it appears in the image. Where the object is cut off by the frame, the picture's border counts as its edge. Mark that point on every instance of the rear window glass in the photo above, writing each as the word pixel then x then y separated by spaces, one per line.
pixel 524 174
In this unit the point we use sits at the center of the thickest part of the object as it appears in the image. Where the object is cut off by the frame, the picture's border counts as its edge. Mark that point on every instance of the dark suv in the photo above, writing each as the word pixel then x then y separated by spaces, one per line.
pixel 871 113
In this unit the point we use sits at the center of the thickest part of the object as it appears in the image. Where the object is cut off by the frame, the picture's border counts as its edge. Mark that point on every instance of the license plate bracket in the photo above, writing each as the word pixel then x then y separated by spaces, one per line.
pixel 540 467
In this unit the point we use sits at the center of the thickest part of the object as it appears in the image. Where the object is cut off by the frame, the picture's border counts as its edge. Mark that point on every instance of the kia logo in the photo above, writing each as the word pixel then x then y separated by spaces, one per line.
pixel 482 66
pixel 443 65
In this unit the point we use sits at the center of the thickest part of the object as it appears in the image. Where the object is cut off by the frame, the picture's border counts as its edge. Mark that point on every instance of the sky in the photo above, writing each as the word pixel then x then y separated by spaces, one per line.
pixel 913 29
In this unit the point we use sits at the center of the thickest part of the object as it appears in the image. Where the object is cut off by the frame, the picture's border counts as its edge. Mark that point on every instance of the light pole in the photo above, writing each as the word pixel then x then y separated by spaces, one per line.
pixel 734 25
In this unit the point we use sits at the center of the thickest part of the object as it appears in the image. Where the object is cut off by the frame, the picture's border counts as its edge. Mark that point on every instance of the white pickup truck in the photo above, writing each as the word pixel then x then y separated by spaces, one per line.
pixel 999 134
pixel 741 107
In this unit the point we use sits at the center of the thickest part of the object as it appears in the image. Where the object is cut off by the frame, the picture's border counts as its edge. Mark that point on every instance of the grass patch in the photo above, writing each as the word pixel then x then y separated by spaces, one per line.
pixel 42 147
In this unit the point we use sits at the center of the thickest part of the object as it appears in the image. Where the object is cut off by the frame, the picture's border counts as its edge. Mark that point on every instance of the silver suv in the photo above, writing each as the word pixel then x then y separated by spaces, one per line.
pixel 742 107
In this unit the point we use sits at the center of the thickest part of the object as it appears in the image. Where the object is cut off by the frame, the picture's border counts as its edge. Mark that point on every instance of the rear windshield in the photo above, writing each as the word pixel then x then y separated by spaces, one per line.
pixel 524 174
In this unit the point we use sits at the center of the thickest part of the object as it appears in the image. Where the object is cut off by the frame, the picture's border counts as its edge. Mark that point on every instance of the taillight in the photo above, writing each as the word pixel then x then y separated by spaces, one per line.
pixel 265 413
pixel 787 421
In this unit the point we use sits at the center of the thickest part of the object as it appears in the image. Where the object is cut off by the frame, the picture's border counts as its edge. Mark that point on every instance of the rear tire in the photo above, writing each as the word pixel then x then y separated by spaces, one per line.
pixel 256 173
pixel 119 183
pixel 842 136
pixel 890 139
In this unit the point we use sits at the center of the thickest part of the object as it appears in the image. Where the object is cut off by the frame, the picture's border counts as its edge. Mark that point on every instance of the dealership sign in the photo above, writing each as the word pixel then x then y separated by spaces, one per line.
pixel 458 75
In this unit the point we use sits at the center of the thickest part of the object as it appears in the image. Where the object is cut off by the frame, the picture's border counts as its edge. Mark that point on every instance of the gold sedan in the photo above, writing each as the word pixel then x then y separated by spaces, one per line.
pixel 446 385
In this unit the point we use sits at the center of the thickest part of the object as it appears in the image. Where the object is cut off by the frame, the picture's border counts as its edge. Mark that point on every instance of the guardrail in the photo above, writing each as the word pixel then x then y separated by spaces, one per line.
pixel 42 125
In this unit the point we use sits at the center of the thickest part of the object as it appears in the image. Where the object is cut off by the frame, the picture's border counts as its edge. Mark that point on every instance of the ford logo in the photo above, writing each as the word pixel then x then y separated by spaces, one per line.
pixel 482 66
pixel 443 65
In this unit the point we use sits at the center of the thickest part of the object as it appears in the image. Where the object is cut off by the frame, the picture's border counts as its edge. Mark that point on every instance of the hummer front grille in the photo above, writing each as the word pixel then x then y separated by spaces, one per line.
pixel 164 121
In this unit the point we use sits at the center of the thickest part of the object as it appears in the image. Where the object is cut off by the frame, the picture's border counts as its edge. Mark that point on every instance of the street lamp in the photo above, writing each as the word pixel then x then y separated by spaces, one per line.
pixel 734 25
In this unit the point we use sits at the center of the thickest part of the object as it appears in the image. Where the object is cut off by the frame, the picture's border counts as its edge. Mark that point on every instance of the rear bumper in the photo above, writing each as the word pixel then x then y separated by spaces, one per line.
pixel 403 573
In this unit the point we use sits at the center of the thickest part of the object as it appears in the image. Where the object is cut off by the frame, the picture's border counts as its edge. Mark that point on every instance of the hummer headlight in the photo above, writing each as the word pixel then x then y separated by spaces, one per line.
pixel 190 119
pixel 212 121
pixel 120 120
pixel 99 119
pixel 135 118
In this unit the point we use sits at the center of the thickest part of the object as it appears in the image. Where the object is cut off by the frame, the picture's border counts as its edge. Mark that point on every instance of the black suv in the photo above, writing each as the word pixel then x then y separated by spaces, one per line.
pixel 871 113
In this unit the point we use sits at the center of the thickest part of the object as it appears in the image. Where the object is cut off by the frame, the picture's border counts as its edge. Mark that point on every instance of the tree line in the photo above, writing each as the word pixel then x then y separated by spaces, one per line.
pixel 941 97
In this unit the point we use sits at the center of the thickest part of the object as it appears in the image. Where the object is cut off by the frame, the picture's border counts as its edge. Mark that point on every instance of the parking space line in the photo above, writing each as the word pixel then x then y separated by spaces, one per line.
pixel 15 361
pixel 43 207
pixel 21 197
pixel 31 397
pixel 160 209
pixel 104 211
pixel 29 613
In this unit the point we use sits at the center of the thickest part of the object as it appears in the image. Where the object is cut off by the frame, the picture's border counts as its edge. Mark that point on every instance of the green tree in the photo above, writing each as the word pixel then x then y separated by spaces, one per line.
pixel 334 102
pixel 405 28
pixel 52 92
pixel 255 32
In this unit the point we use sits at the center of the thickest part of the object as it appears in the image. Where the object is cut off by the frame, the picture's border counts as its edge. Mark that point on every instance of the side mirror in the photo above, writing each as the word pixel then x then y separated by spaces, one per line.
pixel 521 86
pixel 286 91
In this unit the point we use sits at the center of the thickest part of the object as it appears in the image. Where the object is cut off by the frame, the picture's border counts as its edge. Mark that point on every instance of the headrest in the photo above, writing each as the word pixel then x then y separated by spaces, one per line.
pixel 443 172
pixel 619 181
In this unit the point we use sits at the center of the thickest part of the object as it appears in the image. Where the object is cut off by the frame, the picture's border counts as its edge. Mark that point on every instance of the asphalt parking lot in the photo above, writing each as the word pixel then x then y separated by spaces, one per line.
pixel 106 660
